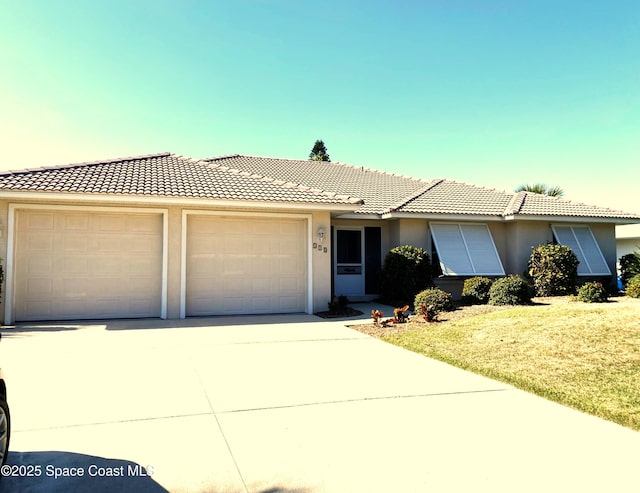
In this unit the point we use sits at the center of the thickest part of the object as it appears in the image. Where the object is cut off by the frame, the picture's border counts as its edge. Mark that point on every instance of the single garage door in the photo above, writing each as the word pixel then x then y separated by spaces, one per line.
pixel 82 265
pixel 238 265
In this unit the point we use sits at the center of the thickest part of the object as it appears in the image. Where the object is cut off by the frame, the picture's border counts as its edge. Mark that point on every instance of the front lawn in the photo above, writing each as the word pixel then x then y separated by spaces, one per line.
pixel 583 355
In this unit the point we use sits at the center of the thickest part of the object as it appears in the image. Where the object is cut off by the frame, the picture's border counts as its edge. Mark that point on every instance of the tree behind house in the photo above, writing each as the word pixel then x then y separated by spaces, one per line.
pixel 319 152
pixel 542 189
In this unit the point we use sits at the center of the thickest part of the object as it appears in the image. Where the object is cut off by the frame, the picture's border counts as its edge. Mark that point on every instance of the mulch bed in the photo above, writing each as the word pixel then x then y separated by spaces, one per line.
pixel 417 321
pixel 342 313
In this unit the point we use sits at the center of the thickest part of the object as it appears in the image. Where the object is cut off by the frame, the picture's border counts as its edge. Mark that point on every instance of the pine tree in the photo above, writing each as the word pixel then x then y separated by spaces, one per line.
pixel 319 152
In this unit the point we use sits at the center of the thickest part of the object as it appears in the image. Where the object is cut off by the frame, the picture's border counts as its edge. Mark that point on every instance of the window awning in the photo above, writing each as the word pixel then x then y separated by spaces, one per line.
pixel 466 249
pixel 581 240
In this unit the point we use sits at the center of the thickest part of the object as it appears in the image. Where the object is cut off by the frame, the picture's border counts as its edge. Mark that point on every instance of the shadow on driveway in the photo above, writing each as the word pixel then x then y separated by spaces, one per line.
pixel 54 471
pixel 25 328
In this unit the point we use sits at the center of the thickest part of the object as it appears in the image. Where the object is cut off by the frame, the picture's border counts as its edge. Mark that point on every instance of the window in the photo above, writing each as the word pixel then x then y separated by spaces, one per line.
pixel 349 246
pixel 466 249
pixel 581 240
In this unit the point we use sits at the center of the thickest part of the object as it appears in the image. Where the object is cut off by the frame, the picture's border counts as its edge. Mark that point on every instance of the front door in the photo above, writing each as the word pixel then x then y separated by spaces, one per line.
pixel 349 262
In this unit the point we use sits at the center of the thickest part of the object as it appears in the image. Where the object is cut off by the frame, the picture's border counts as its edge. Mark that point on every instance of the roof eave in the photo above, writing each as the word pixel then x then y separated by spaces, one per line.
pixel 164 200
pixel 442 216
pixel 359 215
pixel 572 219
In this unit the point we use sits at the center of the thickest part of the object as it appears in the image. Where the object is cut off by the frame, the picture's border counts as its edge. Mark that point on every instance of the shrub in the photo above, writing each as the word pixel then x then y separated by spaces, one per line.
pixel 592 292
pixel 437 299
pixel 633 287
pixel 406 272
pixel 553 269
pixel 337 304
pixel 476 290
pixel 510 290
pixel 629 266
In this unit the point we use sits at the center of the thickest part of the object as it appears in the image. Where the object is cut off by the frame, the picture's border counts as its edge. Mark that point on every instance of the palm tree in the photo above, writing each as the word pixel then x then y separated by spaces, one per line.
pixel 541 189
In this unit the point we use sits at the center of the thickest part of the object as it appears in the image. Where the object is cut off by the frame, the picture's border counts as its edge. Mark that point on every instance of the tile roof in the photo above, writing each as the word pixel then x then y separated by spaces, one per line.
pixel 252 178
pixel 533 204
pixel 451 197
pixel 378 189
pixel 385 193
pixel 166 175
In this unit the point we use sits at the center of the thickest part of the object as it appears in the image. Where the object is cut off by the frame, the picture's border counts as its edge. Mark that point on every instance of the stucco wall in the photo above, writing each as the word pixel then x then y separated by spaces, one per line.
pixel 625 246
pixel 414 232
pixel 321 262
pixel 523 235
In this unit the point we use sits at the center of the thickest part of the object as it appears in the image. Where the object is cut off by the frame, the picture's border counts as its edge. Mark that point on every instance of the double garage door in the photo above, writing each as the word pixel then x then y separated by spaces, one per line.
pixel 72 264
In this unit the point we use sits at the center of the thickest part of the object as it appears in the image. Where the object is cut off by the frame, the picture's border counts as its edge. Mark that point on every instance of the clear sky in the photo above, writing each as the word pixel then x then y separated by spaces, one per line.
pixel 490 92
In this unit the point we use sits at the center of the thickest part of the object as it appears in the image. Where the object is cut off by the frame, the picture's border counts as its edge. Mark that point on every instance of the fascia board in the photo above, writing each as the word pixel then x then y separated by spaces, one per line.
pixel 573 219
pixel 358 216
pixel 167 201
pixel 443 217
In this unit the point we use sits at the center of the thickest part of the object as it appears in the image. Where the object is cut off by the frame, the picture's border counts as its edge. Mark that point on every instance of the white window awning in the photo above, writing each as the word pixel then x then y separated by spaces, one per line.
pixel 582 242
pixel 466 249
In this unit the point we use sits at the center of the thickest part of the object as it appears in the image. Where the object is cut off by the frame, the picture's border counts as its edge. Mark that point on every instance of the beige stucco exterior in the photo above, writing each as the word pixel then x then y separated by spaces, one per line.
pixel 318 260
pixel 513 240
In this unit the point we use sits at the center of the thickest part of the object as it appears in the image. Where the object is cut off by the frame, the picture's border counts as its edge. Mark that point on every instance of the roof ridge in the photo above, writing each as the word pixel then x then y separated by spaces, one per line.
pixel 337 163
pixel 216 158
pixel 515 204
pixel 84 163
pixel 415 195
pixel 298 186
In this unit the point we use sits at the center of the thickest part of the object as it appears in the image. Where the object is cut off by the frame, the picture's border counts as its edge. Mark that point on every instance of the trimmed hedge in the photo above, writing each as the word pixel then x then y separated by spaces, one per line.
pixel 629 267
pixel 633 287
pixel 510 290
pixel 406 272
pixel 476 290
pixel 553 269
pixel 436 298
pixel 592 292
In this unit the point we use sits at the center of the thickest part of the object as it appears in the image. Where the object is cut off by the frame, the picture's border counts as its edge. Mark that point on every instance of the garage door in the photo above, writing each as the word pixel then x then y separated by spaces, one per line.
pixel 241 265
pixel 82 265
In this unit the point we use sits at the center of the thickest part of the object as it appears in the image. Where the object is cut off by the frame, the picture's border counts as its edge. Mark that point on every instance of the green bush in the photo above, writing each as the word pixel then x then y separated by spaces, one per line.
pixel 553 270
pixel 629 266
pixel 406 272
pixel 633 287
pixel 592 292
pixel 510 290
pixel 476 290
pixel 436 298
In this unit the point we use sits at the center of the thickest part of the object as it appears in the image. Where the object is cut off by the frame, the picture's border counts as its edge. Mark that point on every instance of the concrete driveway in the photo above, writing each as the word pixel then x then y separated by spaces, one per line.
pixel 282 404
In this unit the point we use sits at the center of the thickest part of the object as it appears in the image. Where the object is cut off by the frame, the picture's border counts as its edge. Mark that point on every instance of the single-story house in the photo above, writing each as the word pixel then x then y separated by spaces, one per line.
pixel 168 236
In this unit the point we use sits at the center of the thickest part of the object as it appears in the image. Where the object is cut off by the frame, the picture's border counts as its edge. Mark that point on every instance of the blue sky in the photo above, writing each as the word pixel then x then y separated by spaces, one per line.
pixel 490 92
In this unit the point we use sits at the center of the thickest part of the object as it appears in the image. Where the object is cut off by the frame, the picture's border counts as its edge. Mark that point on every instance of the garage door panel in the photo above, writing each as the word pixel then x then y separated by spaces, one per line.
pixel 38 242
pixel 244 265
pixel 77 264
pixel 39 287
pixel 108 222
pixel 71 266
pixel 39 264
pixel 142 244
pixel 41 221
pixel 75 222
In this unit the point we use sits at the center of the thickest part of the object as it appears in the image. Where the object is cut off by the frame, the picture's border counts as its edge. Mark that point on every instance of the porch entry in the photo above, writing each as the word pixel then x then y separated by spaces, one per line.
pixel 357 262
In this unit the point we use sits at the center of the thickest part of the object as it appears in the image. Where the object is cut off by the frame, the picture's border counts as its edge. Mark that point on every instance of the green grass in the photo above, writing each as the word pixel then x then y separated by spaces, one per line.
pixel 586 356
